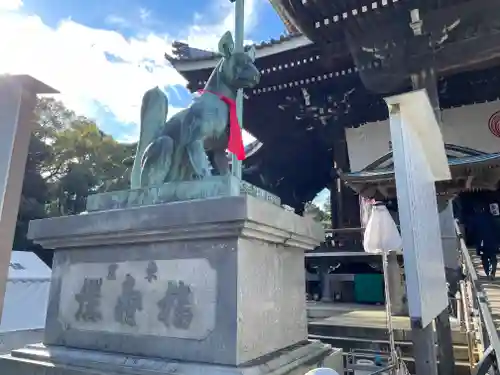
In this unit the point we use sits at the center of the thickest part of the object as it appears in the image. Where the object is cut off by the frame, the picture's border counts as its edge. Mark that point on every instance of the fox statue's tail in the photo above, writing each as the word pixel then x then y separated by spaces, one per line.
pixel 154 110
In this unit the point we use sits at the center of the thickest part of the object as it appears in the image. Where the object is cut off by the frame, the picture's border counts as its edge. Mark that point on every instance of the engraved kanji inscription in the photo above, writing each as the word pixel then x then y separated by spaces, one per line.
pixel 176 307
pixel 112 268
pixel 89 301
pixel 129 302
pixel 151 272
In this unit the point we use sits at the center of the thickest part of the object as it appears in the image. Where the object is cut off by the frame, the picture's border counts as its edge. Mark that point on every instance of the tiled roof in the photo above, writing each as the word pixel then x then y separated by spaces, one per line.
pixel 283 14
pixel 388 173
pixel 183 52
pixel 283 38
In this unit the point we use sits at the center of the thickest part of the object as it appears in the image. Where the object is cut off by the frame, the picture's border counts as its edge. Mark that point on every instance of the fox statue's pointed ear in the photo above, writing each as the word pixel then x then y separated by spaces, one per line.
pixel 250 51
pixel 226 44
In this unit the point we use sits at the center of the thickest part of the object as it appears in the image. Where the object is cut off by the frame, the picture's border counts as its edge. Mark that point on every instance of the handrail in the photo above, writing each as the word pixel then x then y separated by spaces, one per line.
pixel 481 297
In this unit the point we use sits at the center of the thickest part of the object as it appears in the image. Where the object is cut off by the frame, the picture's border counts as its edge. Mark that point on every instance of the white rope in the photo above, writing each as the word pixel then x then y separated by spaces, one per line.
pixel 388 309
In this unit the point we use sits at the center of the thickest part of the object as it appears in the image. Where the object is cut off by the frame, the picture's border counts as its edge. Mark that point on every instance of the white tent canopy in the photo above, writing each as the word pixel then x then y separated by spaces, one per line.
pixel 27 293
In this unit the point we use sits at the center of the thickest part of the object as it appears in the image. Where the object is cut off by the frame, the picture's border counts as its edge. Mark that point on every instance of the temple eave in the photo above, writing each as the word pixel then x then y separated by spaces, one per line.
pixel 485 176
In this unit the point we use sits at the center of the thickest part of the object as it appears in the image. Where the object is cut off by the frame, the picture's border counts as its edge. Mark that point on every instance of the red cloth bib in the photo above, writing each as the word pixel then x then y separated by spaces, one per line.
pixel 235 144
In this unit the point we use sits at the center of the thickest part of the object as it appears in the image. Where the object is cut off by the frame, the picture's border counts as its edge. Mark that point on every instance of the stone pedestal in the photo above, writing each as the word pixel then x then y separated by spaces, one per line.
pixel 212 187
pixel 40 359
pixel 204 286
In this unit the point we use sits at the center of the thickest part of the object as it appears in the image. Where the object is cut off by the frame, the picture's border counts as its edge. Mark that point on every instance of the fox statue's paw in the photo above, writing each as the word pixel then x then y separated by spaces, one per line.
pixel 204 174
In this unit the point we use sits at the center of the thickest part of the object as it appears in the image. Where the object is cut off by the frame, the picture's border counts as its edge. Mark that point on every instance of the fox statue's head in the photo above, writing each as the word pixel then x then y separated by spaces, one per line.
pixel 237 70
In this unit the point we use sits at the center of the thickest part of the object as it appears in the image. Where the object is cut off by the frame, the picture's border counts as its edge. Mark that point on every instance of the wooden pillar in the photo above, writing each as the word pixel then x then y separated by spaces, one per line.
pixel 17 103
pixel 426 79
pixel 334 219
pixel 396 286
pixel 325 283
pixel 345 203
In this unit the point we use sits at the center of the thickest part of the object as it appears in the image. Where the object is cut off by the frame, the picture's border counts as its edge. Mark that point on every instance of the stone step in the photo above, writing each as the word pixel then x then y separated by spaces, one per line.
pixel 348 343
pixel 321 328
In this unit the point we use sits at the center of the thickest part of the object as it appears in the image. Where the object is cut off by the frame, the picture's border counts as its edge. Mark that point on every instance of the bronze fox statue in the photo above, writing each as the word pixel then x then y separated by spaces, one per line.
pixel 175 150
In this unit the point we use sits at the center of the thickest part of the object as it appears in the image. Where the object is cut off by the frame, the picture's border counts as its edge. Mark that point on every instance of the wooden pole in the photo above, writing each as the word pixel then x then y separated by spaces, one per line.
pixel 427 80
pixel 17 103
pixel 408 164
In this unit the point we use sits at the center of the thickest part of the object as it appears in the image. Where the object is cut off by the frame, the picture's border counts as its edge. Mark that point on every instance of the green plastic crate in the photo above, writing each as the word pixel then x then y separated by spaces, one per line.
pixel 369 288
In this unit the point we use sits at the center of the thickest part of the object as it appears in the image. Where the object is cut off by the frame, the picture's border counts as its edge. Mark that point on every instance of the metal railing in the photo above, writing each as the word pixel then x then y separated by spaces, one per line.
pixel 475 316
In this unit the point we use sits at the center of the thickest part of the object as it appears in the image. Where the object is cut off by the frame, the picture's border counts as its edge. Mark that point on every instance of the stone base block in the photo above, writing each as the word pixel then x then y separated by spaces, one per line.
pixel 217 281
pixel 17 339
pixel 211 187
pixel 46 360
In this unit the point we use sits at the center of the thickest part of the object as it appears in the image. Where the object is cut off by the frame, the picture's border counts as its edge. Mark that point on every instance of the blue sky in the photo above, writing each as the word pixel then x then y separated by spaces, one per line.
pixel 104 54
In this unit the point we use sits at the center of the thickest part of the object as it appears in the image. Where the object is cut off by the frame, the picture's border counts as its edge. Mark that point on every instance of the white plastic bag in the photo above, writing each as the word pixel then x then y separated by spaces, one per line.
pixel 322 371
pixel 365 206
pixel 381 233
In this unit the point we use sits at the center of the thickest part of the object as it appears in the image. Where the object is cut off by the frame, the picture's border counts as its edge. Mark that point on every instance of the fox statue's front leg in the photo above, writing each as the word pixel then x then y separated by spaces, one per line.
pixel 198 159
pixel 220 162
pixel 193 132
pixel 217 153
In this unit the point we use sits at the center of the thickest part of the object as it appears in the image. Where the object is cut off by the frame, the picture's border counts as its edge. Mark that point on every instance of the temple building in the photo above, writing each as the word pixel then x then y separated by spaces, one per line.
pixel 321 121
pixel 327 109
pixel 319 111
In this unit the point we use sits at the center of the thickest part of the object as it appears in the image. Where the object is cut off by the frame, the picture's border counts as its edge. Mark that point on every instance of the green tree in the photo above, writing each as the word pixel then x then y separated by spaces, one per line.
pixel 314 211
pixel 327 218
pixel 319 214
pixel 50 117
pixel 86 161
pixel 34 193
pixel 69 158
